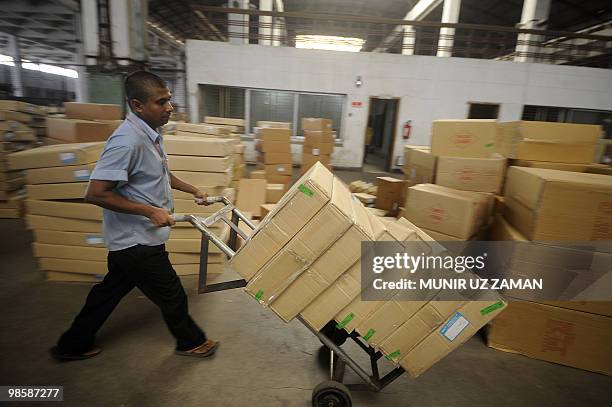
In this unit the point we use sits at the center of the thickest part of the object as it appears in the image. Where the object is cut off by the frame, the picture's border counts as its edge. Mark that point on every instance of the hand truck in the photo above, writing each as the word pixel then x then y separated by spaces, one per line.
pixel 330 393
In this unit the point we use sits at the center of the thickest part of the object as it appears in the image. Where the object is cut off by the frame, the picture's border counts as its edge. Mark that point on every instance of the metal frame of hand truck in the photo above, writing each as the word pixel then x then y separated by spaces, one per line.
pixel 339 359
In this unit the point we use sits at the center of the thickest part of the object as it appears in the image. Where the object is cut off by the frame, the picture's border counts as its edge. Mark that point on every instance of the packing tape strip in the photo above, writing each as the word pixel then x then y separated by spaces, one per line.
pixel 345 321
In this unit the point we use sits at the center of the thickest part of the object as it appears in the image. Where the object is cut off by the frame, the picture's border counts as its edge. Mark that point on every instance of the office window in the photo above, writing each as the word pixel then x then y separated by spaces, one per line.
pixel 222 101
pixel 271 105
pixel 325 106
pixel 483 111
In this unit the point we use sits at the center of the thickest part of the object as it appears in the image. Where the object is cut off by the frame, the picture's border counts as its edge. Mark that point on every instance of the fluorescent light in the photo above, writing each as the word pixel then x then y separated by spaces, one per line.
pixel 329 42
pixel 52 69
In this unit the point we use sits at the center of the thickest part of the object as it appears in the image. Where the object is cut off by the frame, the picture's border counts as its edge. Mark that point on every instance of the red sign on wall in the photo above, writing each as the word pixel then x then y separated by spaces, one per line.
pixel 357 104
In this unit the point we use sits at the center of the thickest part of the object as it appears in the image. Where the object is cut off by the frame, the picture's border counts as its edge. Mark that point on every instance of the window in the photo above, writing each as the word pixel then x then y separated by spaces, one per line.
pixel 483 111
pixel 255 105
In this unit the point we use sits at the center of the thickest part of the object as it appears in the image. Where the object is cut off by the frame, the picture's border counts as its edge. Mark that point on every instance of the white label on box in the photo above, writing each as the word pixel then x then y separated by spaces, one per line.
pixel 454 326
pixel 94 239
pixel 67 158
pixel 280 168
pixel 413 173
pixel 316 151
pixel 82 175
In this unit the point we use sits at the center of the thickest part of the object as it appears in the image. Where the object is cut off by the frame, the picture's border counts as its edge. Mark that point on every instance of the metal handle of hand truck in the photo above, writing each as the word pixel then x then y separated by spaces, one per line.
pixel 199 224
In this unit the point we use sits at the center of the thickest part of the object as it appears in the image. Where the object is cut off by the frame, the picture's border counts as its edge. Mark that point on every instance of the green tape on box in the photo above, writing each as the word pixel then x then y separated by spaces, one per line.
pixel 345 321
pixel 488 309
pixel 488 145
pixel 305 190
pixel 369 334
pixel 393 355
pixel 259 295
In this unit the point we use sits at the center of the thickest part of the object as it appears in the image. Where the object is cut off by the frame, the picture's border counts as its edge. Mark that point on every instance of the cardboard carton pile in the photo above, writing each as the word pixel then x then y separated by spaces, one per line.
pixel 21 125
pixel 205 162
pixel 235 125
pixel 304 259
pixel 318 142
pixel 275 159
pixel 68 239
pixel 83 123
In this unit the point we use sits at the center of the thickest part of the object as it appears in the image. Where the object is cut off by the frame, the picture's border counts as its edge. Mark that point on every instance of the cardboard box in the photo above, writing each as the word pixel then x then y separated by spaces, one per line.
pixel 18 135
pixel 17 116
pixel 64 209
pixel 203 128
pixel 607 170
pixel 273 146
pixel 332 264
pixel 277 158
pixel 445 210
pixel 364 198
pixel 278 125
pixel 309 159
pixel 389 193
pixel 315 137
pixel 56 156
pixel 13 125
pixel 200 164
pixel 280 179
pixel 79 131
pixel 471 174
pixel 251 195
pixel 73 190
pixel 224 120
pixel 68 238
pixel 301 202
pixel 320 149
pixel 74 266
pixel 419 166
pixel 552 165
pixel 455 331
pixel 63 224
pixel 472 138
pixel 258 174
pixel 553 205
pixel 59 276
pixel 58 251
pixel 278 169
pixel 69 173
pixel 7 195
pixel 265 209
pixel 198 146
pixel 558 335
pixel 274 192
pixel 6 213
pixel 92 111
pixel 213 179
pixel 311 123
pixel 548 141
pixel 273 135
pixel 12 184
pixel 24 107
pixel 15 202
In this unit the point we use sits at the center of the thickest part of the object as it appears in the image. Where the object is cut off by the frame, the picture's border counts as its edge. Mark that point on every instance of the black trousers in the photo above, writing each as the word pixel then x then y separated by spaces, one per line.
pixel 149 269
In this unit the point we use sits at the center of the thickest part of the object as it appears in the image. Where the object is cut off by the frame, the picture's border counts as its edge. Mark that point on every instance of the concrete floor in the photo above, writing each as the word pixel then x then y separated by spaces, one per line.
pixel 261 361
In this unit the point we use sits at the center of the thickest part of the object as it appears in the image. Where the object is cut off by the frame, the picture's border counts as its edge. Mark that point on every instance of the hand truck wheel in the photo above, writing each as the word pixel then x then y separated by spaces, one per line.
pixel 331 394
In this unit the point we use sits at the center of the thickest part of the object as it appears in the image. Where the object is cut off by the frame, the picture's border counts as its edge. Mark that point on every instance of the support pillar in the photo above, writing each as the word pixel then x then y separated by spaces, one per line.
pixel 450 14
pixel 238 24
pixel 534 16
pixel 265 23
pixel 16 69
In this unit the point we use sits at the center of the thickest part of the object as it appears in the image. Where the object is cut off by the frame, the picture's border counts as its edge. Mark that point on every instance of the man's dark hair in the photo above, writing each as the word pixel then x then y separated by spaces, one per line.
pixel 139 85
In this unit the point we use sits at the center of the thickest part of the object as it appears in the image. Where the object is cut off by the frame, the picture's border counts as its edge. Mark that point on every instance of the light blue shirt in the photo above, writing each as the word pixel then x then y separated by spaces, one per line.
pixel 131 157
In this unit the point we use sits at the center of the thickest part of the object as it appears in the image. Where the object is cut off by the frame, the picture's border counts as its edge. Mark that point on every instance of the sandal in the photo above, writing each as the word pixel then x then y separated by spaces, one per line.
pixel 59 355
pixel 206 349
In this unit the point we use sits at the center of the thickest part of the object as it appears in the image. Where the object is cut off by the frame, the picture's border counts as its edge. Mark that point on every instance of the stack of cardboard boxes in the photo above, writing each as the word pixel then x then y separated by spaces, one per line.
pixel 234 125
pixel 83 123
pixel 389 193
pixel 275 159
pixel 205 162
pixel 544 206
pixel 67 232
pixel 304 259
pixel 318 142
pixel 19 130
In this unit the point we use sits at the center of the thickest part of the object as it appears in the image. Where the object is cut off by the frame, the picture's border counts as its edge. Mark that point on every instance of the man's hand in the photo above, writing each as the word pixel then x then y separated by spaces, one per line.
pixel 160 217
pixel 200 197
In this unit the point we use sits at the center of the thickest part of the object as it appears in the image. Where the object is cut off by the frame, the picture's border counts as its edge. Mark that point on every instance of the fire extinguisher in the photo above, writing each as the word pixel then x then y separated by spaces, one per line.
pixel 407 129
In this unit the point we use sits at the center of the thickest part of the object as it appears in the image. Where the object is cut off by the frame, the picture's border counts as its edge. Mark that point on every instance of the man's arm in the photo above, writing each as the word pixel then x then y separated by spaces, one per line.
pixel 101 193
pixel 177 183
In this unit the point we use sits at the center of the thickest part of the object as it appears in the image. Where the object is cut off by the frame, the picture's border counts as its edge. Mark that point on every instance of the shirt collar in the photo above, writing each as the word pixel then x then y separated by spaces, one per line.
pixel 152 134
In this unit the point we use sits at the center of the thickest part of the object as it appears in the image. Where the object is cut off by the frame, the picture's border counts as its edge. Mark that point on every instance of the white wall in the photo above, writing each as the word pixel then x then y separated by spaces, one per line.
pixel 430 88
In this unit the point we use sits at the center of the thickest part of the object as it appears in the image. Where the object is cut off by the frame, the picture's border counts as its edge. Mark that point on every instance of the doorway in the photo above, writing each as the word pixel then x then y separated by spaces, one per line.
pixel 379 139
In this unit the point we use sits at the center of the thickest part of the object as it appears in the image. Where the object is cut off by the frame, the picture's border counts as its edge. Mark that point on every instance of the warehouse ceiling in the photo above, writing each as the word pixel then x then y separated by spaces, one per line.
pixel 48 28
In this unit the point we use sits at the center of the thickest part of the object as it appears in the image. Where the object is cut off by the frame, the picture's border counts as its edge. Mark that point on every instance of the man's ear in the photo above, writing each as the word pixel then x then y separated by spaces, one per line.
pixel 136 105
